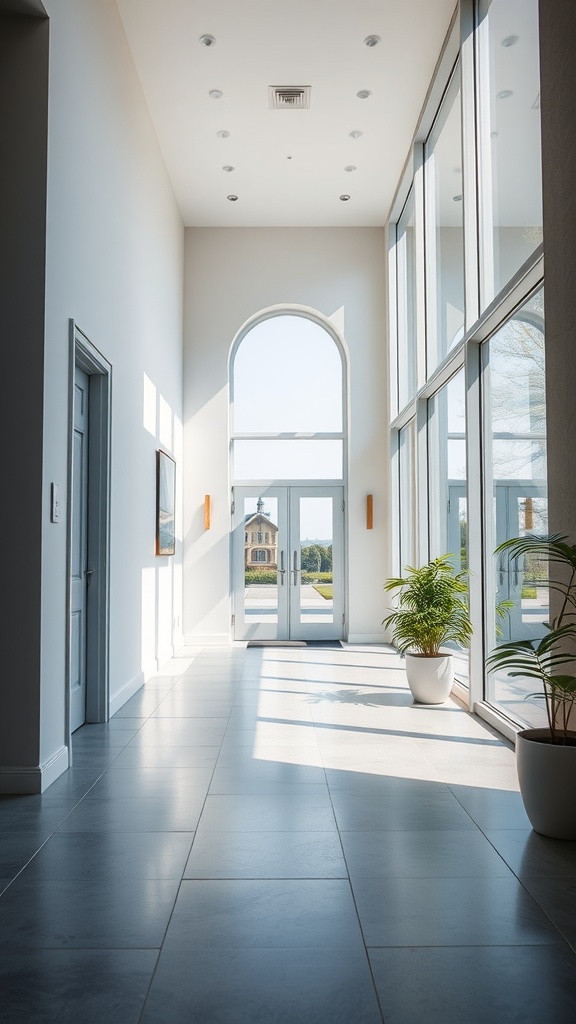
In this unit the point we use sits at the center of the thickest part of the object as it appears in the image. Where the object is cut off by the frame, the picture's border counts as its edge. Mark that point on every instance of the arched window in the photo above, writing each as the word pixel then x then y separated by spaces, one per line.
pixel 287 389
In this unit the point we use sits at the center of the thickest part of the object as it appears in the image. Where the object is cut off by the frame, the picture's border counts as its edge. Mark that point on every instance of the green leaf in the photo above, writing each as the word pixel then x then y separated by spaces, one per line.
pixel 432 607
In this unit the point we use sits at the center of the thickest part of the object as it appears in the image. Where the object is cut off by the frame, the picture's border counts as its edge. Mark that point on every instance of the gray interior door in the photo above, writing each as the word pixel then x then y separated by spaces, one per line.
pixel 79 564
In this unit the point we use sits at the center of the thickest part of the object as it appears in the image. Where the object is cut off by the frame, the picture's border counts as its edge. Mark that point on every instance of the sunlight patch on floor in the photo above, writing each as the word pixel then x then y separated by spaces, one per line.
pixel 351 711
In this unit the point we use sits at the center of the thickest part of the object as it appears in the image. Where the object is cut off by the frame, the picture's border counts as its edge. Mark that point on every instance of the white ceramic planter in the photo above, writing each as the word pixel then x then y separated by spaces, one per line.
pixel 547 778
pixel 430 679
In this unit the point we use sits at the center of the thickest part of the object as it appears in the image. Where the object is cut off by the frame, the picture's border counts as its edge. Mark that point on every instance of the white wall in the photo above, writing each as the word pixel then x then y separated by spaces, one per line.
pixel 231 274
pixel 115 265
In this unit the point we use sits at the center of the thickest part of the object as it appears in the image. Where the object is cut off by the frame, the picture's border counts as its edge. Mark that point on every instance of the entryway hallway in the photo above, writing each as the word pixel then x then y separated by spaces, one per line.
pixel 280 835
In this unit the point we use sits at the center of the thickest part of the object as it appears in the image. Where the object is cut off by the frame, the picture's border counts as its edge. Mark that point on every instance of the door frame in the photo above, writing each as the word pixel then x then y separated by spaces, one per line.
pixel 84 355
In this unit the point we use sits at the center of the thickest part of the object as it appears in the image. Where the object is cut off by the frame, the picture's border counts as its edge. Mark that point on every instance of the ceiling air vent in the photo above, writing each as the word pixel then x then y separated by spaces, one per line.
pixel 289 97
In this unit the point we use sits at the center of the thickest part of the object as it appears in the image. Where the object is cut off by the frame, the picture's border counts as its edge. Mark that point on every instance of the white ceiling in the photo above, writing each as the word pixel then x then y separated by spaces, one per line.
pixel 259 43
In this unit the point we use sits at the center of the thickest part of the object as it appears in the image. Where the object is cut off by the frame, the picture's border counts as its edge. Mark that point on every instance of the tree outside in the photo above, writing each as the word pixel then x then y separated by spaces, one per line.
pixel 316 558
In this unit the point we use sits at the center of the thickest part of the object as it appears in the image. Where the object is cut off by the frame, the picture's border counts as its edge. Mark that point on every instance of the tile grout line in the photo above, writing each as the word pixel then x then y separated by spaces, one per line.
pixel 153 974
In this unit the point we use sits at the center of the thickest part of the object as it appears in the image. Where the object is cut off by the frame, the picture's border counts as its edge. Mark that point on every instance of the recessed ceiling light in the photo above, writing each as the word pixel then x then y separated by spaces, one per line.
pixel 457 199
pixel 363 94
pixel 228 167
pixel 207 40
pixel 505 94
pixel 344 198
pixel 232 198
pixel 355 134
pixel 216 94
pixel 350 167
pixel 510 40
pixel 223 134
pixel 372 41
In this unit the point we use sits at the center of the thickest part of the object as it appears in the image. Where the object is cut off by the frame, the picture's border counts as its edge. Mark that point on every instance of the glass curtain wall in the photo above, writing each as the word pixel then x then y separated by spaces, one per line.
pixel 444 229
pixel 486 463
pixel 509 139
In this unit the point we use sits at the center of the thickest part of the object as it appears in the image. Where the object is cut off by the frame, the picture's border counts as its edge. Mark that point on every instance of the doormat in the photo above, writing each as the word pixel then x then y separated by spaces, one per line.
pixel 330 644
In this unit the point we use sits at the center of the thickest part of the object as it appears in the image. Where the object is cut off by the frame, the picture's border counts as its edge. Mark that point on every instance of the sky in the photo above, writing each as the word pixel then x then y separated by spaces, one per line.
pixel 287 378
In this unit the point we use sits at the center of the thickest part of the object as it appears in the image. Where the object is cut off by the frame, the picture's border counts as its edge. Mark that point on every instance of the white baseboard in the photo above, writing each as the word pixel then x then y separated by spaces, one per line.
pixel 53 768
pixel 119 699
pixel 162 661
pixel 20 780
pixel 164 656
pixel 366 638
pixel 205 639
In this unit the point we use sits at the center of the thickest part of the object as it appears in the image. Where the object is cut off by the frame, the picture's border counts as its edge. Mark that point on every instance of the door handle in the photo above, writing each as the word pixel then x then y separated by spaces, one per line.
pixel 516 572
pixel 281 570
pixel 295 568
pixel 88 575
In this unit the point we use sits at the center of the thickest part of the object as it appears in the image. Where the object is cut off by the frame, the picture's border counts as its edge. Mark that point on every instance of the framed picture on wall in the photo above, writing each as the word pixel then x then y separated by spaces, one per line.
pixel 165 504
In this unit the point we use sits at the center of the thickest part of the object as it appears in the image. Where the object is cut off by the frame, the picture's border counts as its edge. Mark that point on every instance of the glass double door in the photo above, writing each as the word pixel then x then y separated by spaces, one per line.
pixel 288 563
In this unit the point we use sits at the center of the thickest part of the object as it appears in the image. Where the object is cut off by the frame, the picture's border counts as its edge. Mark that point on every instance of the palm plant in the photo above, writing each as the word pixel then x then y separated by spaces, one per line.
pixel 546 659
pixel 432 608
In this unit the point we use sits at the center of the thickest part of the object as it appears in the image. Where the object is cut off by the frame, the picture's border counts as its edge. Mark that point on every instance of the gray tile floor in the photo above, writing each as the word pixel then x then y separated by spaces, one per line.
pixel 279 836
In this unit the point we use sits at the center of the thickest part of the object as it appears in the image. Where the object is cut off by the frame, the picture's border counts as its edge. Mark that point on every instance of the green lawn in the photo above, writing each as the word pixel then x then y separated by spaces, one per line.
pixel 325 591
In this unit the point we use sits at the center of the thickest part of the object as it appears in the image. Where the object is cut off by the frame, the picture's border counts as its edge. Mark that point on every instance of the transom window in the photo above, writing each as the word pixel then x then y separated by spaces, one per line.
pixel 287 408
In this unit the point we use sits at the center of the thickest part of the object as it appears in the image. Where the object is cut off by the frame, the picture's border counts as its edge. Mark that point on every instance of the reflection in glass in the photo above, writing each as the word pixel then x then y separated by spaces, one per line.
pixel 510 180
pixel 316 581
pixel 407 490
pixel 445 229
pixel 516 466
pixel 448 508
pixel 260 560
pixel 406 303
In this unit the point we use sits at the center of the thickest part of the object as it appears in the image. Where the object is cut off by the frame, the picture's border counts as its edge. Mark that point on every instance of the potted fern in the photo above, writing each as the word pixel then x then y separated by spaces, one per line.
pixel 546 758
pixel 432 611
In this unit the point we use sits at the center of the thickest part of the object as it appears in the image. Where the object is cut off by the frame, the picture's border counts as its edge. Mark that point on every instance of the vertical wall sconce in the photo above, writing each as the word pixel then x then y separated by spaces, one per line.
pixel 369 511
pixel 207 505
